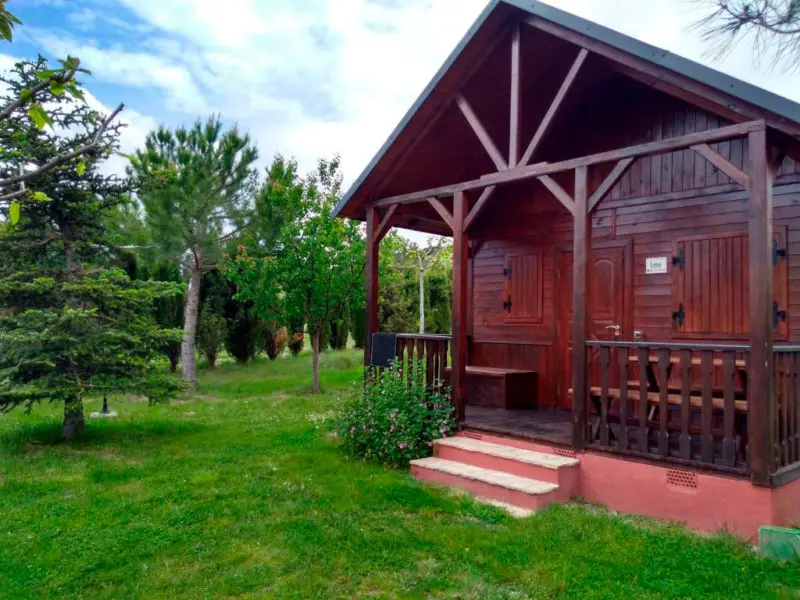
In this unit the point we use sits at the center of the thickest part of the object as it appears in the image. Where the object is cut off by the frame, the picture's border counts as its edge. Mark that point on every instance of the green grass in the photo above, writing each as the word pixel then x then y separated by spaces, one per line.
pixel 242 492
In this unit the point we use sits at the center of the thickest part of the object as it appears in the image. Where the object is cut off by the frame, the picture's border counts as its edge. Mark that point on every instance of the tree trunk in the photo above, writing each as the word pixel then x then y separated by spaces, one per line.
pixel 315 335
pixel 74 423
pixel 421 296
pixel 190 328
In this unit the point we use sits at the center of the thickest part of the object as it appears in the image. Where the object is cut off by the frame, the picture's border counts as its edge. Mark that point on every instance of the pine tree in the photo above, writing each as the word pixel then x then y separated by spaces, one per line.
pixel 197 186
pixel 70 327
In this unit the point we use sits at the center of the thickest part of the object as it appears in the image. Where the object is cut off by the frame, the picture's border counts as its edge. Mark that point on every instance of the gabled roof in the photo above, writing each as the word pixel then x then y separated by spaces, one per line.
pixel 783 109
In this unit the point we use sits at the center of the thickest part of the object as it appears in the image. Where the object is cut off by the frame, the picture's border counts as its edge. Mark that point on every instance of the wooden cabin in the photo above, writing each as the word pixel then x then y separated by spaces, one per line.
pixel 626 264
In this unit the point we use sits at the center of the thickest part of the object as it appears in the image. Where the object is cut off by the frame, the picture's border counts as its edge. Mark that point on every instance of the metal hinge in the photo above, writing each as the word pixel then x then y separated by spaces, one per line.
pixel 778 315
pixel 679 316
pixel 507 305
pixel 507 273
pixel 680 260
pixel 777 252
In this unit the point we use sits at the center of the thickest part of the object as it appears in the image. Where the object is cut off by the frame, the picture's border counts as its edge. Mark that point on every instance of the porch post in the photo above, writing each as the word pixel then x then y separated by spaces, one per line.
pixel 581 251
pixel 458 343
pixel 760 385
pixel 371 315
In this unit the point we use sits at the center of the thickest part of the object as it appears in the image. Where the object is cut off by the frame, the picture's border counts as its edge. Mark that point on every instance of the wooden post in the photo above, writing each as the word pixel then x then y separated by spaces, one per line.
pixel 516 92
pixel 760 384
pixel 371 316
pixel 581 250
pixel 458 346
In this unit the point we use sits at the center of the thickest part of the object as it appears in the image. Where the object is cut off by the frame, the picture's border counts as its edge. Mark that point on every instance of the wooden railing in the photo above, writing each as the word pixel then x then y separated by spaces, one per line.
pixel 685 403
pixel 432 350
pixel 786 373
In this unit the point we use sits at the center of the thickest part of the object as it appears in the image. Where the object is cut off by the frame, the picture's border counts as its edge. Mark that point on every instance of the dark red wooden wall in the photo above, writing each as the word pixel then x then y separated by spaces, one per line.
pixel 661 202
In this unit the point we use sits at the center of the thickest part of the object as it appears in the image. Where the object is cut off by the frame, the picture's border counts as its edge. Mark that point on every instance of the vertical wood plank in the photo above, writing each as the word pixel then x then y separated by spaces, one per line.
pixel 581 260
pixel 729 408
pixel 782 392
pixel 516 90
pixel 371 298
pixel 707 411
pixel 663 402
pixel 760 384
pixel 686 409
pixel 624 438
pixel 644 361
pixel 458 349
pixel 795 365
pixel 605 363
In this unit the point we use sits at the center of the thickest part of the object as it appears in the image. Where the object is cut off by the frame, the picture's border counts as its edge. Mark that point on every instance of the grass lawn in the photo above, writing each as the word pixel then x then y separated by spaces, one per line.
pixel 242 492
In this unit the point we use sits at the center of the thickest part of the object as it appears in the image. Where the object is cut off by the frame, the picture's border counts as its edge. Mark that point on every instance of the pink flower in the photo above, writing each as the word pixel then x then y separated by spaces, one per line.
pixel 403 446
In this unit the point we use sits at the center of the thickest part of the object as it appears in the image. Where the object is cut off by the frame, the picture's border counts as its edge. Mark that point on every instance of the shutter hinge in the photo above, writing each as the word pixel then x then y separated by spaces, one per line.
pixel 777 252
pixel 507 305
pixel 679 316
pixel 507 272
pixel 778 315
pixel 680 260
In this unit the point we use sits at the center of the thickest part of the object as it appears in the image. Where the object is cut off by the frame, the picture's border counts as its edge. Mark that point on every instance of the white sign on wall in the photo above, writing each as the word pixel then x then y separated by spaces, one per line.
pixel 655 266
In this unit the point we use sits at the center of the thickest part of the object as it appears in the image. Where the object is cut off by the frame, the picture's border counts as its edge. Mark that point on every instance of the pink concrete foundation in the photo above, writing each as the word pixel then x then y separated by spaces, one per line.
pixel 700 500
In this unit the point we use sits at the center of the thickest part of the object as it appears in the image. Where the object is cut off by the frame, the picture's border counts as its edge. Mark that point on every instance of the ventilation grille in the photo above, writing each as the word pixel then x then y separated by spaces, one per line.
pixel 683 479
pixel 470 434
pixel 565 453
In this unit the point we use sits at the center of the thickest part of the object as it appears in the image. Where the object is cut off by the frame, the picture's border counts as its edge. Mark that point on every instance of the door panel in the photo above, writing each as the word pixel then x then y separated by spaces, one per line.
pixel 605 304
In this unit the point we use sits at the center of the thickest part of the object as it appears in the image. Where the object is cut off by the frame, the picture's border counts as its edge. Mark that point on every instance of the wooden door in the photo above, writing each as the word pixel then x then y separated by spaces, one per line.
pixel 609 281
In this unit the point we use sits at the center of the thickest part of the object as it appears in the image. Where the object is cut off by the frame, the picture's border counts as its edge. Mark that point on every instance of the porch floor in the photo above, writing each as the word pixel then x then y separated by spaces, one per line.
pixel 544 424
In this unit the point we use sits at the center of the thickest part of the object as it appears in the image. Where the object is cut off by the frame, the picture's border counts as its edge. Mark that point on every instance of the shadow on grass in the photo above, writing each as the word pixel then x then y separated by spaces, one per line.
pixel 25 438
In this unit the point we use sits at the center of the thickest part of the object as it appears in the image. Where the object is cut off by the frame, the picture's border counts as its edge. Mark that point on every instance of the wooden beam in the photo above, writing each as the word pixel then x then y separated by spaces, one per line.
pixel 442 210
pixel 516 93
pixel 666 80
pixel 371 295
pixel 533 171
pixel 609 182
pixel 482 134
pixel 386 223
pixel 760 418
pixel 501 36
pixel 559 192
pixel 572 74
pixel 458 345
pixel 723 164
pixel 479 206
pixel 582 240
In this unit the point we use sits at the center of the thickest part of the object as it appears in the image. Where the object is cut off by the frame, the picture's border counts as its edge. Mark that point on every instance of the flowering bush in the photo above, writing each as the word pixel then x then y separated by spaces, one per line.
pixel 393 420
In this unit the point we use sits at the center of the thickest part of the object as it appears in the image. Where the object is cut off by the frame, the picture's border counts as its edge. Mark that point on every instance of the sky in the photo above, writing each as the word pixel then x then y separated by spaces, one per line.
pixel 306 78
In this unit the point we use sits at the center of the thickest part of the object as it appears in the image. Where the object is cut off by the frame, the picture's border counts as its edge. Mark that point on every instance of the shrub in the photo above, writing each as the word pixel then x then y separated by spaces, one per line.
pixel 211 331
pixel 392 420
pixel 296 343
pixel 275 341
pixel 339 333
pixel 244 339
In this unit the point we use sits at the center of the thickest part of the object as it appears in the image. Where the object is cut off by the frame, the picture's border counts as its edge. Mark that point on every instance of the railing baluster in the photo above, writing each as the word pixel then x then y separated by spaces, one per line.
pixel 663 401
pixel 410 352
pixel 644 408
pixel 729 408
pixel 622 357
pixel 707 439
pixel 429 372
pixel 686 409
pixel 795 393
pixel 782 390
pixel 605 361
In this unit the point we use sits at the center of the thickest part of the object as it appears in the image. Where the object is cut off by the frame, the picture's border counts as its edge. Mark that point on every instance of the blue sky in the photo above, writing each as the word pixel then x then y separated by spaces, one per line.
pixel 307 78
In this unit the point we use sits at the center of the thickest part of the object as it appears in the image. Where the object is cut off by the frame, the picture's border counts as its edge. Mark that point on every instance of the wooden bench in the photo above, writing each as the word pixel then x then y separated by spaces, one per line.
pixel 496 387
pixel 654 398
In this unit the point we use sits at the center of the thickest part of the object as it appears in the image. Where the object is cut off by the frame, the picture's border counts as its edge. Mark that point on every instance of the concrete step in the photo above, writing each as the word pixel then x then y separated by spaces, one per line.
pixel 521 492
pixel 540 466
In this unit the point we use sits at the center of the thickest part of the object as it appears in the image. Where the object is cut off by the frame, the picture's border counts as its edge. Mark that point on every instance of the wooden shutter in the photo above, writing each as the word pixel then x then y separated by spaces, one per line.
pixel 522 292
pixel 711 285
pixel 780 281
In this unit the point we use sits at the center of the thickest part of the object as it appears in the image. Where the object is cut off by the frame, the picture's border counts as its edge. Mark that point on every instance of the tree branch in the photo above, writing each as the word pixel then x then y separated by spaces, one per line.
pixel 89 148
pixel 19 102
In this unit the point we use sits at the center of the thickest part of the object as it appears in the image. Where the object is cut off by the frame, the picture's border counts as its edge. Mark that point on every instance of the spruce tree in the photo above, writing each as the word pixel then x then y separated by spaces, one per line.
pixel 70 326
